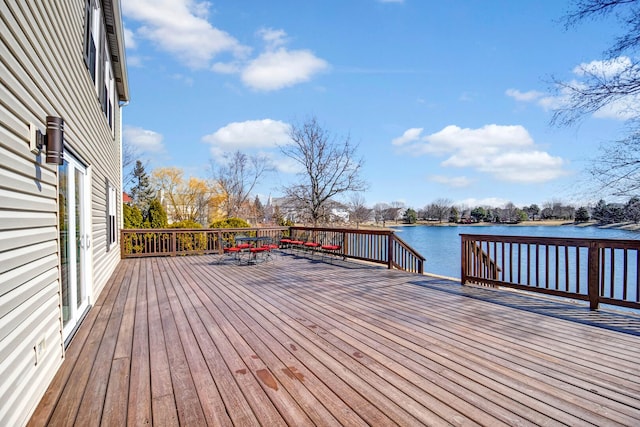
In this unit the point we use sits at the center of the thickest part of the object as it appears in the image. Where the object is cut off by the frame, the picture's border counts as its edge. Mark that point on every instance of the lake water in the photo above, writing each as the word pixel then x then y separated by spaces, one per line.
pixel 441 245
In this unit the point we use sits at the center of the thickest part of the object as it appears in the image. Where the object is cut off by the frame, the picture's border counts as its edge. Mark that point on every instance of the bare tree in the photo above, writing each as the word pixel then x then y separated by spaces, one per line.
pixel 440 209
pixel 129 155
pixel 399 207
pixel 614 82
pixel 358 210
pixel 379 210
pixel 602 86
pixel 617 168
pixel 390 214
pixel 237 178
pixel 329 168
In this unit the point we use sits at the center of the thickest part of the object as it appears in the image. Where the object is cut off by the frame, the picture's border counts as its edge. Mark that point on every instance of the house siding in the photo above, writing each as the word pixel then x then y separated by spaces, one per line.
pixel 42 72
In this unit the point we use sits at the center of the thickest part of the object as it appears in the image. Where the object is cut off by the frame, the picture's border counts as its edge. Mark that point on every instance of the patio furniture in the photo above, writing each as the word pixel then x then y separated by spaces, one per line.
pixel 312 247
pixel 331 248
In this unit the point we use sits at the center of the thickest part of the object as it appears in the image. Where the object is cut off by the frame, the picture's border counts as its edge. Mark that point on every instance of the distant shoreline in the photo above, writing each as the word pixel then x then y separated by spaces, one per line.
pixel 630 226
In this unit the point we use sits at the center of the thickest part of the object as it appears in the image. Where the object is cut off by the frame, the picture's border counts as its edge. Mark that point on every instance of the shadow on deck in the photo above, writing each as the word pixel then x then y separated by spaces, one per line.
pixel 614 319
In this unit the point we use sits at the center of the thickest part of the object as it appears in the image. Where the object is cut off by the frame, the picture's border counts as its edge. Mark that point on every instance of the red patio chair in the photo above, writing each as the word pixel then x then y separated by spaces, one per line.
pixel 271 247
pixel 255 251
pixel 298 245
pixel 312 247
pixel 230 252
pixel 333 248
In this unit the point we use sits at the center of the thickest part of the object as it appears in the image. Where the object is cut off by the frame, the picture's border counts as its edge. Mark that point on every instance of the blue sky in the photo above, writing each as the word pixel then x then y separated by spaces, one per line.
pixel 445 99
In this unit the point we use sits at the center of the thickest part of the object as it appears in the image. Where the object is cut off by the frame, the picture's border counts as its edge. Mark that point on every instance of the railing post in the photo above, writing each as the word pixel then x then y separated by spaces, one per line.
pixel 390 250
pixel 463 261
pixel 122 248
pixel 593 274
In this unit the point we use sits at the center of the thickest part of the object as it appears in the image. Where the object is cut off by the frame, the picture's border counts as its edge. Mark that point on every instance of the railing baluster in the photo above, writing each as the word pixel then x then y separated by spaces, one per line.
pixel 603 272
pixel 566 268
pixel 557 275
pixel 624 274
pixel 613 275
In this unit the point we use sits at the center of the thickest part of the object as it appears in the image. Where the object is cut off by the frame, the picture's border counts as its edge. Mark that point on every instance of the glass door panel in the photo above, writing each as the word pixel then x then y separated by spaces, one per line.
pixel 74 242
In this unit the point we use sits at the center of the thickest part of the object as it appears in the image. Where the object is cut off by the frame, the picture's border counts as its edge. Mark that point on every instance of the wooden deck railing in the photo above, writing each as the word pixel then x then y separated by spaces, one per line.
pixel 183 241
pixel 378 246
pixel 596 270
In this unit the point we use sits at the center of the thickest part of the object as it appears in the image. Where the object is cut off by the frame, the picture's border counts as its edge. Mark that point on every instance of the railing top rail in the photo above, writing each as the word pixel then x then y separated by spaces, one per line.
pixel 230 230
pixel 345 230
pixel 409 248
pixel 560 241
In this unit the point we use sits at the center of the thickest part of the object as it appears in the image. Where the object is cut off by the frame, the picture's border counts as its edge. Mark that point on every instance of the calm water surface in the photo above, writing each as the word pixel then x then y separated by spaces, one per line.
pixel 441 245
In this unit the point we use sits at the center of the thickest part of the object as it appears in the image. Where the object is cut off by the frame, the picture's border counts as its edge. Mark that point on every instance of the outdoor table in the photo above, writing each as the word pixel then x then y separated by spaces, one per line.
pixel 256 248
pixel 256 240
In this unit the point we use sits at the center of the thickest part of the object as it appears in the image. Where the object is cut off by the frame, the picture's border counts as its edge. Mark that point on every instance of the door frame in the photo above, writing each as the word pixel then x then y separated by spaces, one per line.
pixel 83 274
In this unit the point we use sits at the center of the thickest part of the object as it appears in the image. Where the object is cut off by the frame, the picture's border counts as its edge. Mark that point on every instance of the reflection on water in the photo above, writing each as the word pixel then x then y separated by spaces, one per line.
pixel 441 245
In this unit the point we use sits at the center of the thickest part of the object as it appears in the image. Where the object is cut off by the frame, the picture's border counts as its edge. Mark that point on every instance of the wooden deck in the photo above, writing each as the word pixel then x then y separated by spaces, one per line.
pixel 183 341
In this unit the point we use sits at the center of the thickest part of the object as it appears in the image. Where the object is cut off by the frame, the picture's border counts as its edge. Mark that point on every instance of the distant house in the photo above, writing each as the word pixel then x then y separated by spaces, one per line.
pixel 337 213
pixel 63 81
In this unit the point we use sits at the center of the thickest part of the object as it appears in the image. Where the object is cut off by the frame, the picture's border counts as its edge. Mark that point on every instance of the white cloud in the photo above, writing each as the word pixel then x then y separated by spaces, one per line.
pixel 469 143
pixel 182 78
pixel 620 68
pixel 272 37
pixel 142 139
pixel 508 153
pixel 606 69
pixel 129 38
pixel 620 109
pixel 287 165
pixel 409 135
pixel 134 61
pixel 529 96
pixel 180 27
pixel 227 67
pixel 390 1
pixel 455 182
pixel 251 134
pixel 280 68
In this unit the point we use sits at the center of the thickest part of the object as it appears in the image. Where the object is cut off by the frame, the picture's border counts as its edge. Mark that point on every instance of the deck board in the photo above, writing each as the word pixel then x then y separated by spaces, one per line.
pixel 294 341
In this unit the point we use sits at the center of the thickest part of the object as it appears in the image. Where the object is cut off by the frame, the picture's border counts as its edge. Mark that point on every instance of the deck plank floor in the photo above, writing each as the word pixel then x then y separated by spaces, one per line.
pixel 296 341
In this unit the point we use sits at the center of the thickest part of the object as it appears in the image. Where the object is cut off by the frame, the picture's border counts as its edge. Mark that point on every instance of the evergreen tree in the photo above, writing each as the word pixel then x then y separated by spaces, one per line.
pixel 131 217
pixel 632 210
pixel 479 213
pixel 259 210
pixel 454 215
pixel 582 214
pixel 410 216
pixel 155 217
pixel 599 212
pixel 142 193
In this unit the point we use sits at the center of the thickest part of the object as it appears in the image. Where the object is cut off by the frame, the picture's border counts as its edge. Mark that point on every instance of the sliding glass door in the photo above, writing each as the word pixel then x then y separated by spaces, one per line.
pixel 74 241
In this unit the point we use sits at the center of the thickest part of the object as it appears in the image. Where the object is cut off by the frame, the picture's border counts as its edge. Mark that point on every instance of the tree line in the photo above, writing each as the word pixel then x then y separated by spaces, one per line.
pixel 445 211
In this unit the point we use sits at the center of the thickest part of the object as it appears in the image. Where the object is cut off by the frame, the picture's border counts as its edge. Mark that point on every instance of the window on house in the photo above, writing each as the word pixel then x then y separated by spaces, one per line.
pixel 98 59
pixel 112 228
pixel 91 31
pixel 107 90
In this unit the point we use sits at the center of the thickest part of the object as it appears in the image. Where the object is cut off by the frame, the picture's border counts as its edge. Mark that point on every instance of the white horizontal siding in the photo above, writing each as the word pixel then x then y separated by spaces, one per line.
pixel 20 368
pixel 42 72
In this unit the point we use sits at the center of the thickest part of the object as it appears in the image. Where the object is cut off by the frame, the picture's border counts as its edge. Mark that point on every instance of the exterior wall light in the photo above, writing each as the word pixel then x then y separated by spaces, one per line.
pixel 53 140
